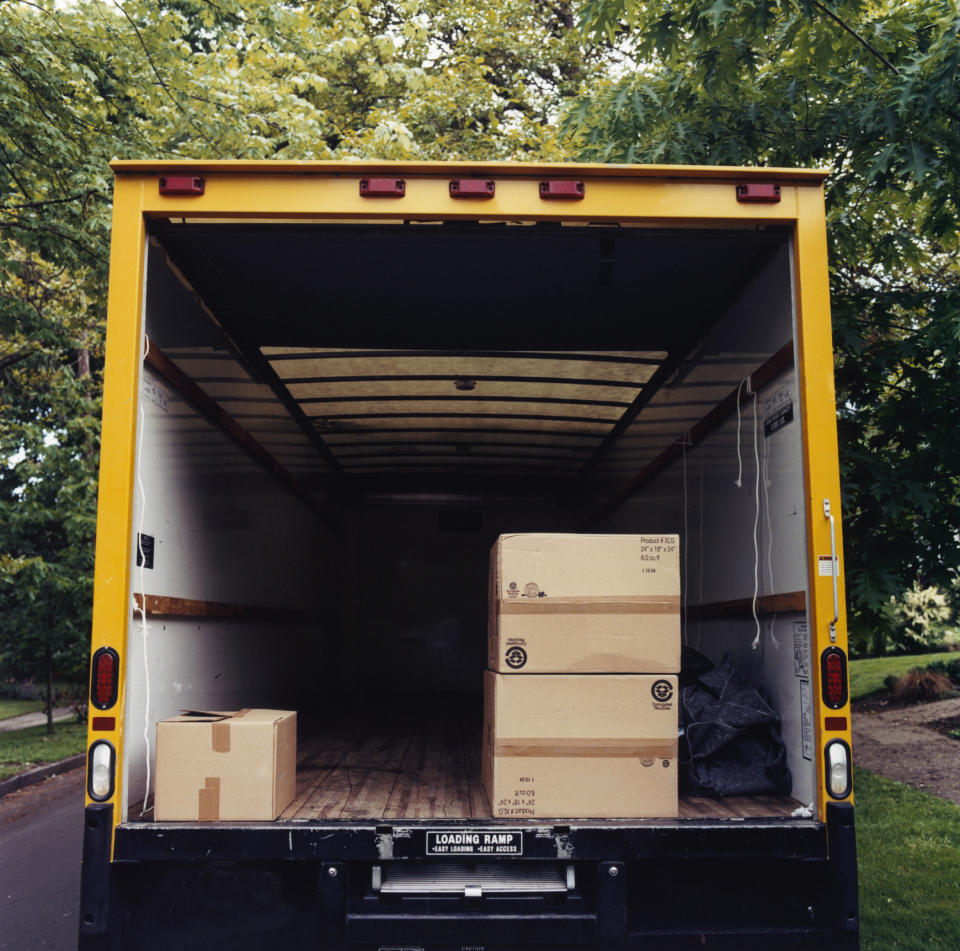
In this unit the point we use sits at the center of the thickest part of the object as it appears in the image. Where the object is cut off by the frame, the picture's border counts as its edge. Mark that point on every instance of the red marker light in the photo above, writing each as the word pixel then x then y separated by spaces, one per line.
pixel 833 675
pixel 182 185
pixel 472 188
pixel 562 190
pixel 383 188
pixel 759 192
pixel 104 678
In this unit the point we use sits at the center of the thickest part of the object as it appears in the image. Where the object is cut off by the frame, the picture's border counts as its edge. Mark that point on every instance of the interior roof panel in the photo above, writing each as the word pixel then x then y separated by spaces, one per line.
pixel 462 286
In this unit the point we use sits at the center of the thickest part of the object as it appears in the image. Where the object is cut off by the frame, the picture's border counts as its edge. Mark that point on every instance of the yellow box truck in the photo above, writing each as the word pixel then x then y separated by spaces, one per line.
pixel 330 387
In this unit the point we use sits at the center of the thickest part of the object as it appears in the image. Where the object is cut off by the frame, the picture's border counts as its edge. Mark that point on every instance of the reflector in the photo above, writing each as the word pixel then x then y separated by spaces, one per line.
pixel 100 769
pixel 837 757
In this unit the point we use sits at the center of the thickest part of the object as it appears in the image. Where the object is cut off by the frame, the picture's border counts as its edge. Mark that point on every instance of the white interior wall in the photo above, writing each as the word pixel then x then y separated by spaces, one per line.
pixel 224 531
pixel 698 498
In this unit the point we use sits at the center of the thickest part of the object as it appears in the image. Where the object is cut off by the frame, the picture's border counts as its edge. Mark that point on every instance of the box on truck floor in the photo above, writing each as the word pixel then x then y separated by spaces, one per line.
pixel 566 603
pixel 226 765
pixel 580 745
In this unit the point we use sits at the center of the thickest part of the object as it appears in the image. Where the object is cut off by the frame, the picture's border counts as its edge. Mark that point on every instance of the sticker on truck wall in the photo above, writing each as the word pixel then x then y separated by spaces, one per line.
pixel 806 719
pixel 801 649
pixel 827 566
pixel 474 842
pixel 777 411
pixel 155 395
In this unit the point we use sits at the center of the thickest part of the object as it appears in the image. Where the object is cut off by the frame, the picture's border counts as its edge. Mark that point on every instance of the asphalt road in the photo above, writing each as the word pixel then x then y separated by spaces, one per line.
pixel 41 834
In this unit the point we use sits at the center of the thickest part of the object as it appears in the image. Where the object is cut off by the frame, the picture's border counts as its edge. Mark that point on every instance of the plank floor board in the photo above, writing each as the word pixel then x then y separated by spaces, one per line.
pixel 409 762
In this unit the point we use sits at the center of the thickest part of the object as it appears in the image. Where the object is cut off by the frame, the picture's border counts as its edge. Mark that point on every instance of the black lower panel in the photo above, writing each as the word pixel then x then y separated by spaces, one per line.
pixel 675 894
pixel 197 907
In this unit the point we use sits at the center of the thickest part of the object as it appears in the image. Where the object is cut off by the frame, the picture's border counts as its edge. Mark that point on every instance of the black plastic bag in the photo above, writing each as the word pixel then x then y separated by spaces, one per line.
pixel 731 743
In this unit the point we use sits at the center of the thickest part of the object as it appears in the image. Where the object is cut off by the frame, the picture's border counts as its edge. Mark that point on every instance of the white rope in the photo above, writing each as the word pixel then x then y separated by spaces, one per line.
pixel 684 440
pixel 772 623
pixel 756 524
pixel 739 480
pixel 700 549
pixel 142 607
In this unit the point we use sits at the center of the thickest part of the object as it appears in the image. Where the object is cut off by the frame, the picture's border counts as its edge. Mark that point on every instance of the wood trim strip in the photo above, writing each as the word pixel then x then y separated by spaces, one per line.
pixel 760 377
pixel 572 355
pixel 446 397
pixel 788 603
pixel 211 410
pixel 159 606
pixel 451 378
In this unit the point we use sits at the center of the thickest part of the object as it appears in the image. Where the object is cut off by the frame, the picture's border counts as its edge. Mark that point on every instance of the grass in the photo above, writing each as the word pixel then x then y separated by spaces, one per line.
pixel 908 844
pixel 23 749
pixel 867 675
pixel 13 708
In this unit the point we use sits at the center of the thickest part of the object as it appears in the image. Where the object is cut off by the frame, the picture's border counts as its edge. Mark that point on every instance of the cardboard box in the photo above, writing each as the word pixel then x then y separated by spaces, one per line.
pixel 580 746
pixel 238 765
pixel 584 604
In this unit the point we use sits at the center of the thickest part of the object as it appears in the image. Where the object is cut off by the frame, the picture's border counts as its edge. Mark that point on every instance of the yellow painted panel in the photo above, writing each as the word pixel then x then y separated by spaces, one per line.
pixel 111 595
pixel 821 462
pixel 459 168
pixel 338 196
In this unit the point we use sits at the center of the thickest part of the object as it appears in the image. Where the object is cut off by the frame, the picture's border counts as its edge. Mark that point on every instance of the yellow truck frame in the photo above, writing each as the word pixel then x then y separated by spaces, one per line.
pixel 662 196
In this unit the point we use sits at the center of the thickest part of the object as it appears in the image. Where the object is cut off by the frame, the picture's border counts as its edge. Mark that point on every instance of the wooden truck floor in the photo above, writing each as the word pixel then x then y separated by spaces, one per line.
pixel 422 761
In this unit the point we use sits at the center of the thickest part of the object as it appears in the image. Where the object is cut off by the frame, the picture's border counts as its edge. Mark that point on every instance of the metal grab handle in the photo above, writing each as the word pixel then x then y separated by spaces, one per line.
pixel 833 570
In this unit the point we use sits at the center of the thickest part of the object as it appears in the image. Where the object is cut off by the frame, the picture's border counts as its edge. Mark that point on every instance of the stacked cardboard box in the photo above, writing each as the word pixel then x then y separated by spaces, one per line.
pixel 580 695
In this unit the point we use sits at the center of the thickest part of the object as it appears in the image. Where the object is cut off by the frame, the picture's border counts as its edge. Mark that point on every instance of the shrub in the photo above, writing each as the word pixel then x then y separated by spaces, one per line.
pixel 949 668
pixel 921 684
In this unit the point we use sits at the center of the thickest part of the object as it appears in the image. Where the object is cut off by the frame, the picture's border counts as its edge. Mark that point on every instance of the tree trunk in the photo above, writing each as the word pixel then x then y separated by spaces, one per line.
pixel 49 693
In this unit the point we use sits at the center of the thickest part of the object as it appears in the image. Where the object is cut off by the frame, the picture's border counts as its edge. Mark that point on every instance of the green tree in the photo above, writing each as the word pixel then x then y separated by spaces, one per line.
pixel 870 91
pixel 83 82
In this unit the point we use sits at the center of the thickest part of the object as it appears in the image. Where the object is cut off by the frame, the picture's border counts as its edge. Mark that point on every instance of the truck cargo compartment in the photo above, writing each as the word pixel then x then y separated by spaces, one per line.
pixel 333 432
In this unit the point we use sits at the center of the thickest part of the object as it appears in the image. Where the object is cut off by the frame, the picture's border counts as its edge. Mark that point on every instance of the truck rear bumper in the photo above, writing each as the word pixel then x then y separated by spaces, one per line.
pixel 652 884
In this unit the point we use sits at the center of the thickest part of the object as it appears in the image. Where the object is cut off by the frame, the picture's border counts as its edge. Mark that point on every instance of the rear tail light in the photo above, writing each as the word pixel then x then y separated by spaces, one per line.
pixel 101 766
pixel 104 677
pixel 837 761
pixel 833 677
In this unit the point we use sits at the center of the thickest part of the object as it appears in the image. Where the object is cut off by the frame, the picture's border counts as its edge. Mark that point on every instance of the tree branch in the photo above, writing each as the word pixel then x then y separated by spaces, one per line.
pixel 16 357
pixel 863 42
pixel 163 85
pixel 867 45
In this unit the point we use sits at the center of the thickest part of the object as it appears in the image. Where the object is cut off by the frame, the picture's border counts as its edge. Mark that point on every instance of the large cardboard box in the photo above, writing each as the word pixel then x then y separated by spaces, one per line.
pixel 584 604
pixel 226 765
pixel 580 746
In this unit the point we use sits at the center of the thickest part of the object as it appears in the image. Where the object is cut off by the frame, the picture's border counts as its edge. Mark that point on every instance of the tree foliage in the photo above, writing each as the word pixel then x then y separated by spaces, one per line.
pixel 83 82
pixel 871 91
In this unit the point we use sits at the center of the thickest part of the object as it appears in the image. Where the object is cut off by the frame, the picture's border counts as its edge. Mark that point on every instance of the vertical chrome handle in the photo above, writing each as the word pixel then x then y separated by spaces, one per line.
pixel 833 570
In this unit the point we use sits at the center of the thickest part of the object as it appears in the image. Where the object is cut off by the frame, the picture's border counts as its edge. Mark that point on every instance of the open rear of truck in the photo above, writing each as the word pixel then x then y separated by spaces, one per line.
pixel 329 388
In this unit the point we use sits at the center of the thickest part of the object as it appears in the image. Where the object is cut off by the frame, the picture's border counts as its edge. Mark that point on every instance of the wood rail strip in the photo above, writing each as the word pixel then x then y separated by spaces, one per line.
pixel 764 374
pixel 767 604
pixel 211 410
pixel 159 605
